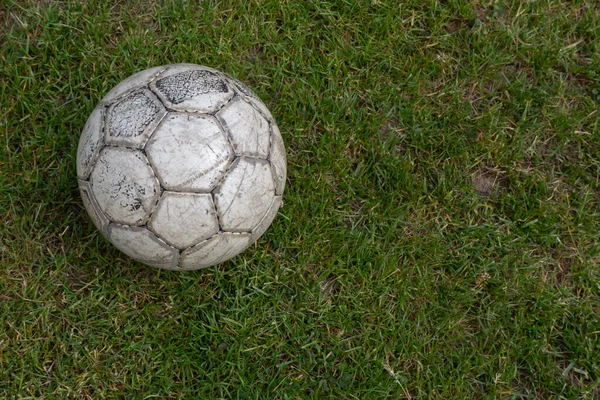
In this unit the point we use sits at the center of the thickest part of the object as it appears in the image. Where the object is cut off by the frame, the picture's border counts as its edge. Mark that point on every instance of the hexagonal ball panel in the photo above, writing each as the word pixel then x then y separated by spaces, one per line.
pixel 217 249
pixel 143 246
pixel 250 96
pixel 131 83
pixel 192 88
pixel 189 152
pixel 91 205
pixel 278 159
pixel 245 194
pixel 184 219
pixel 124 185
pixel 240 87
pixel 131 120
pixel 265 222
pixel 249 130
pixel 90 143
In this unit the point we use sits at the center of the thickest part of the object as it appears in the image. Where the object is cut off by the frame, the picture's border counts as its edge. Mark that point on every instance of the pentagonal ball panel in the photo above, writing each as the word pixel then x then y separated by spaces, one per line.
pixel 217 249
pixel 184 219
pixel 192 88
pixel 245 194
pixel 248 129
pixel 189 152
pixel 131 120
pixel 124 185
pixel 278 159
pixel 90 143
pixel 143 246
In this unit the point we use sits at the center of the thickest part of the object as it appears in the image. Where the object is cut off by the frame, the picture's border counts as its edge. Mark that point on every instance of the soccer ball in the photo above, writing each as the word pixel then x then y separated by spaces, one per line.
pixel 181 167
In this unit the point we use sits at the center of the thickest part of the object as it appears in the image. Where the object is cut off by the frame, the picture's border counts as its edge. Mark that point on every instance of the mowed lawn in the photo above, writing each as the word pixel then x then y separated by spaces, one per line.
pixel 440 231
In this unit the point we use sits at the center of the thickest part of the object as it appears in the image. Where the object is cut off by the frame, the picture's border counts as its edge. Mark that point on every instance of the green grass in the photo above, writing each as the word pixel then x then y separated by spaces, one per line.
pixel 440 234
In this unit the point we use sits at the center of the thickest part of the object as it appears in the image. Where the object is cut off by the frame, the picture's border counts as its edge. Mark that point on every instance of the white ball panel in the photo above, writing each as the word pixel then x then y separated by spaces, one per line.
pixel 89 202
pixel 257 103
pixel 124 185
pixel 184 219
pixel 189 152
pixel 250 97
pixel 245 194
pixel 278 159
pixel 215 250
pixel 143 246
pixel 90 143
pixel 135 81
pixel 192 88
pixel 265 222
pixel 248 129
pixel 131 120
pixel 240 87
pixel 175 68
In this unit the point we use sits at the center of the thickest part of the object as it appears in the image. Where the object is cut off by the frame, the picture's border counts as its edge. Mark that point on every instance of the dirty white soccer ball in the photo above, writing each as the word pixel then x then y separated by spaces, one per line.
pixel 181 167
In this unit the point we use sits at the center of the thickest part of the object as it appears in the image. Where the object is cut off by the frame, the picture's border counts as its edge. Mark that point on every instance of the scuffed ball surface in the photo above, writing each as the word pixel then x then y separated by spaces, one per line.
pixel 181 167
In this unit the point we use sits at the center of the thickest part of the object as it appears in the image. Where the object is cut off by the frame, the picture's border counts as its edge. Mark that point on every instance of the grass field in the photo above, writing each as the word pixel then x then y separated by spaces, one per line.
pixel 440 236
